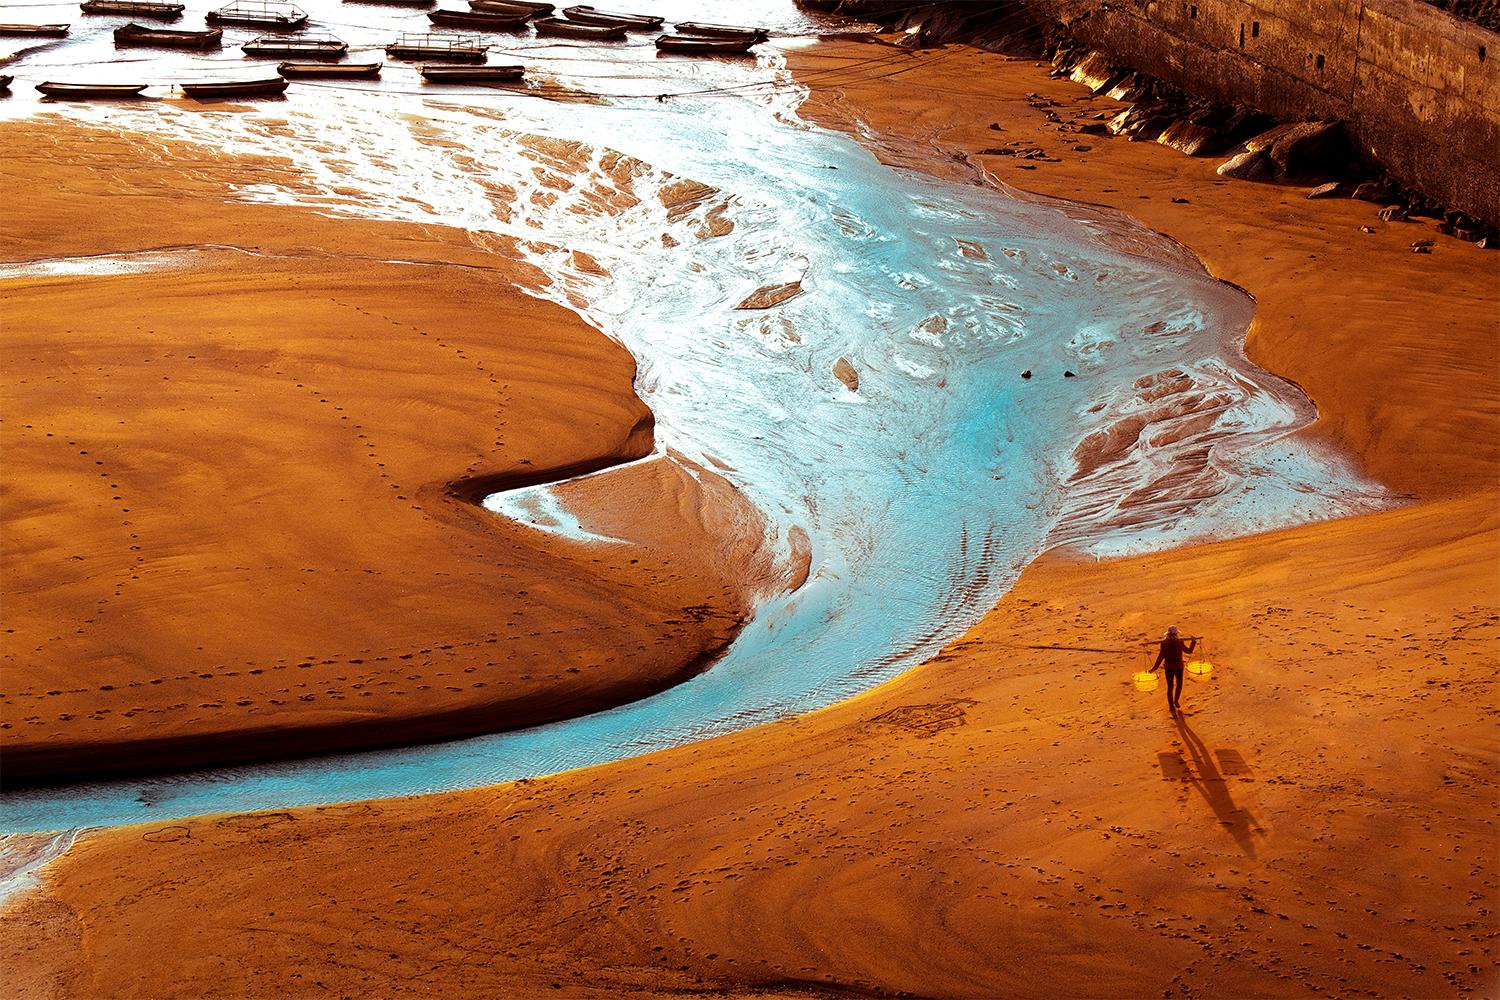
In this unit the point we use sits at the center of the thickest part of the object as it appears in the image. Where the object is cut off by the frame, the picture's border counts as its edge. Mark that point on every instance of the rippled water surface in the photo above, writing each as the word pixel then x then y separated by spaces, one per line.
pixel 922 494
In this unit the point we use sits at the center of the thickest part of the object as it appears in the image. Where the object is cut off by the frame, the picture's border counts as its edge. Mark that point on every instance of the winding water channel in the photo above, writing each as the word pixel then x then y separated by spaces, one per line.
pixel 923 493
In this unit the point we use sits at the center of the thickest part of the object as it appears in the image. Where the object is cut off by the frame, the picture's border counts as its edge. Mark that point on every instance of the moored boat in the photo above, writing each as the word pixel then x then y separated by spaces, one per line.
pixel 438 46
pixel 719 30
pixel 260 14
pixel 306 46
pixel 512 7
pixel 156 9
pixel 5 84
pixel 574 29
pixel 139 34
pixel 35 30
pixel 613 19
pixel 236 88
pixel 472 74
pixel 329 70
pixel 697 45
pixel 478 20
pixel 90 91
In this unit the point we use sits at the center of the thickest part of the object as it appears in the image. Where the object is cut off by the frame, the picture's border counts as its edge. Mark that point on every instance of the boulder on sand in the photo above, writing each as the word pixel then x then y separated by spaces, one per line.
pixel 1304 149
pixel 1251 165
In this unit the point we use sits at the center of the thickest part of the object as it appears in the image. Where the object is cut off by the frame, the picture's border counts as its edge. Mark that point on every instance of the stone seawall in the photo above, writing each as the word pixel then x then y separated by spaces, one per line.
pixel 1418 88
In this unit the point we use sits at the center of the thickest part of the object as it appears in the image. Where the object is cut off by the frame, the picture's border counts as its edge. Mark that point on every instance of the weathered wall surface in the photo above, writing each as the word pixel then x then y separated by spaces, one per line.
pixel 1419 89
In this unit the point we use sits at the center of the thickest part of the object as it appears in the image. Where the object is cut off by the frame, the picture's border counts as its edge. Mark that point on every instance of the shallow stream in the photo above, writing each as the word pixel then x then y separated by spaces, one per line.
pixel 922 493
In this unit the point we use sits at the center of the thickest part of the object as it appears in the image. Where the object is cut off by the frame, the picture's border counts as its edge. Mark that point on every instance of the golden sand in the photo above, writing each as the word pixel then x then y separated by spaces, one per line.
pixel 1006 819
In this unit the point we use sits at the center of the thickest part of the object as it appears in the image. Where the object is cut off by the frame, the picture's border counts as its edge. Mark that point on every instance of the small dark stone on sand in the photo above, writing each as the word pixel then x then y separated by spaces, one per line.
pixel 1068 374
pixel 1026 373
pixel 1179 201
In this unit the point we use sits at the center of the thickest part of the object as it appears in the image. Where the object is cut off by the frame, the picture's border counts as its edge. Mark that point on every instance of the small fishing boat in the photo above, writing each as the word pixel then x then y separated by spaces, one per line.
pixel 574 29
pixel 329 71
pixel 472 74
pixel 478 20
pixel 35 30
pixel 156 9
pixel 306 46
pixel 592 15
pixel 697 45
pixel 438 46
pixel 261 14
pixel 719 30
pixel 139 34
pixel 511 7
pixel 5 84
pixel 236 88
pixel 90 91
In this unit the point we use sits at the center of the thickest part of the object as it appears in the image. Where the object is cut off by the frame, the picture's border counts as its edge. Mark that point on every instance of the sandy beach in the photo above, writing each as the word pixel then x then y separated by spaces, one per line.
pixel 242 481
pixel 1010 818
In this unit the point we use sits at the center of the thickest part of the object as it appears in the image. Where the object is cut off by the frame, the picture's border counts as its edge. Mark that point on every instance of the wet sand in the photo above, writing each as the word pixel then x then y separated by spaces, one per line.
pixel 1006 819
pixel 238 516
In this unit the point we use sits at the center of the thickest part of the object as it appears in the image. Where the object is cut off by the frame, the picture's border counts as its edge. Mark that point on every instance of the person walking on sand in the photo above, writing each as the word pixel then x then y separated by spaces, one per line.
pixel 1170 656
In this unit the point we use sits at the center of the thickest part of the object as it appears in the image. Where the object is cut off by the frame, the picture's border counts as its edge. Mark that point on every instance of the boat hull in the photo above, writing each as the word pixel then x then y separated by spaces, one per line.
pixel 135 35
pixel 34 30
pixel 508 7
pixel 283 51
pixel 90 92
pixel 631 22
pixel 478 21
pixel 572 29
pixel 330 71
pixel 412 53
pixel 157 12
pixel 236 88
pixel 706 30
pixel 473 74
pixel 678 45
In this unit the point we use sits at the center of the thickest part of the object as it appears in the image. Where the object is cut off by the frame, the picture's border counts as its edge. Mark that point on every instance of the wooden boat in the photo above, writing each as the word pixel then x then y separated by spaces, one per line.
pixel 697 45
pixel 329 70
pixel 478 20
pixel 443 47
pixel 472 74
pixel 574 29
pixel 236 88
pixel 155 9
pixel 269 15
pixel 511 7
pixel 610 19
pixel 35 30
pixel 139 34
pixel 306 46
pixel 719 30
pixel 5 84
pixel 90 91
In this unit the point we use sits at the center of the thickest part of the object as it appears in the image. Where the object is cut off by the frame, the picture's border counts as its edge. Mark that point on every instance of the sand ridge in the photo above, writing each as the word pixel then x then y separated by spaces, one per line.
pixel 236 516
pixel 1006 819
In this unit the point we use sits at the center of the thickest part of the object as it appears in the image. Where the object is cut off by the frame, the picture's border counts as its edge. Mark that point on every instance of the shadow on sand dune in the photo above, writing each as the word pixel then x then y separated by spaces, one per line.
pixel 1208 774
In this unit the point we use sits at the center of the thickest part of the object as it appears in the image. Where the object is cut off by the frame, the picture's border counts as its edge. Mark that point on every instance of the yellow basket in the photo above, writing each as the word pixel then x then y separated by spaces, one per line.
pixel 1145 680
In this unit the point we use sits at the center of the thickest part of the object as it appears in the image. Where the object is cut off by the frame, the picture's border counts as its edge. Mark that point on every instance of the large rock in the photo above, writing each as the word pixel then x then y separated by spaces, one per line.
pixel 846 373
pixel 1304 149
pixel 1251 165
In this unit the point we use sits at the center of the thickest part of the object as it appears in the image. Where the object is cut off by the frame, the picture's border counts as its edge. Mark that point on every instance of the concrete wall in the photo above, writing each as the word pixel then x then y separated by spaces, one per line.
pixel 1419 89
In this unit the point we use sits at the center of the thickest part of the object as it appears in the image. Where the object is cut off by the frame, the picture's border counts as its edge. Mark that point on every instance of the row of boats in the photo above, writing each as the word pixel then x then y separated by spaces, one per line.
pixel 272 86
pixel 579 21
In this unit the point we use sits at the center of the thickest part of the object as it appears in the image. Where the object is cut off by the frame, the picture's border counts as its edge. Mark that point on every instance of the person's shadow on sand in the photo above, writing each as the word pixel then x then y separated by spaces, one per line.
pixel 1204 774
